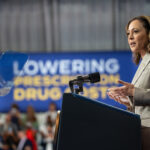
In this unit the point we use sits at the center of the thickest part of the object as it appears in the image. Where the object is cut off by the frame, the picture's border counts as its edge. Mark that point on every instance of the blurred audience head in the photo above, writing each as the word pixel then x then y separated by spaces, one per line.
pixel 52 107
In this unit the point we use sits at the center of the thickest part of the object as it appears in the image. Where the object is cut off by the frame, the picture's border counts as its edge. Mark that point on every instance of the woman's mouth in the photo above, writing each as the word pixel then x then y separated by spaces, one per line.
pixel 132 44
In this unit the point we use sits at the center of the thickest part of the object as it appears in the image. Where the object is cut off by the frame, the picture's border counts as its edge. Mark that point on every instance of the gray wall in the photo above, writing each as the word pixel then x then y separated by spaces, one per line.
pixel 67 25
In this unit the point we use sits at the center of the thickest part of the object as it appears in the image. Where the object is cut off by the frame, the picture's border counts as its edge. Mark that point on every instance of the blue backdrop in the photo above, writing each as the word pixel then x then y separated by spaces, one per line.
pixel 45 77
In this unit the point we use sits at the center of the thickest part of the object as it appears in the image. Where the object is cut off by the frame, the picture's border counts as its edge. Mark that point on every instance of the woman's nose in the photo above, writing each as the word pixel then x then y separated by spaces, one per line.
pixel 131 36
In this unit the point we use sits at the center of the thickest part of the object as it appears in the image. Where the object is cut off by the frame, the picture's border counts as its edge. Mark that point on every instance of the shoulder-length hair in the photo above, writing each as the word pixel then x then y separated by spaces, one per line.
pixel 145 20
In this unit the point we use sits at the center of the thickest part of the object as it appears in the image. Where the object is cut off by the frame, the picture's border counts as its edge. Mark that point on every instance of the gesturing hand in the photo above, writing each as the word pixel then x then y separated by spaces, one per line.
pixel 120 99
pixel 120 94
pixel 126 90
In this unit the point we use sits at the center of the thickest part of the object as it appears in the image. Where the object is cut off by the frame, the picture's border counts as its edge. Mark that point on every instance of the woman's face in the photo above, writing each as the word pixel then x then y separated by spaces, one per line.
pixel 137 36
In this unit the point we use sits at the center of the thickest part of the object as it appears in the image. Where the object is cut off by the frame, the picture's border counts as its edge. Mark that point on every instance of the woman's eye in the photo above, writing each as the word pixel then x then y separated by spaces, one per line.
pixel 127 33
pixel 136 31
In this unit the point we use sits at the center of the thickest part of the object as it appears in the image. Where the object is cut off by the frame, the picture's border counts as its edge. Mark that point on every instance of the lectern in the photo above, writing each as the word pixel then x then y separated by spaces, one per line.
pixel 86 124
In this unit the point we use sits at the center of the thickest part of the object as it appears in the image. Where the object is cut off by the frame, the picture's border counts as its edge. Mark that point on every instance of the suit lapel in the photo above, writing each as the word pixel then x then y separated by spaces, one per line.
pixel 141 68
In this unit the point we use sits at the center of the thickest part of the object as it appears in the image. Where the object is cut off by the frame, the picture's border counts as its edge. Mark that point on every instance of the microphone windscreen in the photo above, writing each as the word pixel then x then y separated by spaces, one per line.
pixel 94 77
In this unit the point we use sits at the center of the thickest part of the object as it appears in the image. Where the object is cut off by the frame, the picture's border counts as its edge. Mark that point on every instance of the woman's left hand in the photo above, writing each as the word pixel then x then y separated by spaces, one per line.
pixel 126 90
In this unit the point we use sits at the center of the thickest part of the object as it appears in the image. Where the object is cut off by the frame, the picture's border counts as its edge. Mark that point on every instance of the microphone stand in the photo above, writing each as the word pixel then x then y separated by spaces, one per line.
pixel 92 78
pixel 79 82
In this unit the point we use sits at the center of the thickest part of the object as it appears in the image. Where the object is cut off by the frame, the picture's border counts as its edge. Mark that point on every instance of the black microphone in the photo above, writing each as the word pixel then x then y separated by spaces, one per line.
pixel 92 78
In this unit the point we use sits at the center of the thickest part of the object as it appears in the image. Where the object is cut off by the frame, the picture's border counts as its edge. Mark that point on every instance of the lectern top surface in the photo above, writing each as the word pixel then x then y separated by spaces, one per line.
pixel 106 105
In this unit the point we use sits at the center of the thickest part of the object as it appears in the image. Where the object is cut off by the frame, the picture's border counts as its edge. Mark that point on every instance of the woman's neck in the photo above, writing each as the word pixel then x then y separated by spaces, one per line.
pixel 142 53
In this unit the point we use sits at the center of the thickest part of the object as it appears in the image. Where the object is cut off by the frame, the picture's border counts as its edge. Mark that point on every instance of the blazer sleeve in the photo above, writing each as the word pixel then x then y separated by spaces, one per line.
pixel 141 97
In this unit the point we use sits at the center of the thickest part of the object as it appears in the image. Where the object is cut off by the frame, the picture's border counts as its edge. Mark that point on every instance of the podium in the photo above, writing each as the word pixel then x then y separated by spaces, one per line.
pixel 86 124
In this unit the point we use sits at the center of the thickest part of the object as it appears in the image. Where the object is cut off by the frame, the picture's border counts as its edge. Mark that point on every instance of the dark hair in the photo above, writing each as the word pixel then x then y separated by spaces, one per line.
pixel 145 20
pixel 14 105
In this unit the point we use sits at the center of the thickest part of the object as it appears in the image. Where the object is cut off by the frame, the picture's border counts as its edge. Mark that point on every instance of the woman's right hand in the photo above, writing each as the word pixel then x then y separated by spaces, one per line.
pixel 120 99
